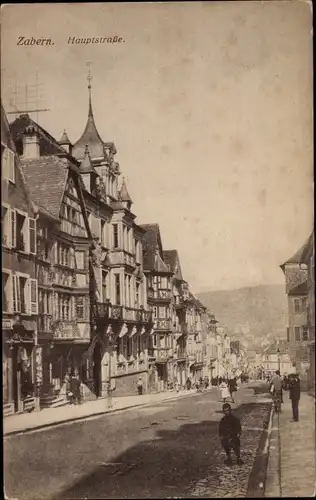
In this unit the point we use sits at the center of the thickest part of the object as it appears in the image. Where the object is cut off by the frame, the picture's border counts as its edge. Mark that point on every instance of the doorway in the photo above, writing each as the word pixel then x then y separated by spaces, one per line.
pixel 97 357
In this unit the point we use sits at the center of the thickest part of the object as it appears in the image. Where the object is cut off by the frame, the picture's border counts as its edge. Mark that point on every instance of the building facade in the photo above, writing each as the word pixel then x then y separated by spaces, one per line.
pixel 299 334
pixel 19 282
pixel 95 295
pixel 277 357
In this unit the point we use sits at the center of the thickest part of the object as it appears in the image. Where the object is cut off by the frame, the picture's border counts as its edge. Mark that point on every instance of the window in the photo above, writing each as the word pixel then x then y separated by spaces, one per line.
pixel 8 164
pixel 80 309
pixel 6 292
pixel 297 333
pixel 304 305
pixel 115 236
pixel 6 214
pixel 24 295
pixel 64 307
pixel 137 296
pixel 288 334
pixel 297 308
pixel 104 285
pixel 80 260
pixel 305 333
pixel 117 290
pixel 103 233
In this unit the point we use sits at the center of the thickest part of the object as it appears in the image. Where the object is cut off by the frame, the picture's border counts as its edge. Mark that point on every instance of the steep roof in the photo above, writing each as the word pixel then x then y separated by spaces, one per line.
pixel 124 194
pixel 48 143
pixel 90 137
pixel 171 257
pixel 46 179
pixel 6 137
pixel 152 249
pixel 282 344
pixel 64 139
pixel 298 257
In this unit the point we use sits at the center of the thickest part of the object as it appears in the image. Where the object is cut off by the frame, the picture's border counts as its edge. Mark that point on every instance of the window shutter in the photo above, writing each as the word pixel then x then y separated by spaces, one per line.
pixel 11 166
pixel 33 296
pixel 32 236
pixel 16 294
pixel 13 227
pixel 5 164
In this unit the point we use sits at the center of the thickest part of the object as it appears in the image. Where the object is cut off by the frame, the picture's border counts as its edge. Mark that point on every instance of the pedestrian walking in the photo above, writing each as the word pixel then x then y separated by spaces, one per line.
pixel 140 386
pixel 75 394
pixel 223 387
pixel 229 433
pixel 295 394
pixel 232 388
pixel 276 387
pixel 188 383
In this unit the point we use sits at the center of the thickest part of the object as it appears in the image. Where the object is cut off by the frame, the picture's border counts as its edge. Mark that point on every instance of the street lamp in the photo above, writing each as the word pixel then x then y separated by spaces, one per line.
pixel 278 355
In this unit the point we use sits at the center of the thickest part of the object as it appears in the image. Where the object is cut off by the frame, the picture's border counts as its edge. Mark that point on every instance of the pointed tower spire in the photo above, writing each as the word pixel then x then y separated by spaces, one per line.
pixel 90 136
pixel 89 78
pixel 124 196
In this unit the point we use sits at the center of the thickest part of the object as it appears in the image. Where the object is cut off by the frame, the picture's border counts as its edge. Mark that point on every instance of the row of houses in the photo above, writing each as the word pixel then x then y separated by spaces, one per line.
pixel 299 274
pixel 85 288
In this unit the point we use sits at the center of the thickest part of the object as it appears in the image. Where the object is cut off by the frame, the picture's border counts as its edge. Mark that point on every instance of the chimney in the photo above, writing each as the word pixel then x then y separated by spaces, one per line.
pixel 31 143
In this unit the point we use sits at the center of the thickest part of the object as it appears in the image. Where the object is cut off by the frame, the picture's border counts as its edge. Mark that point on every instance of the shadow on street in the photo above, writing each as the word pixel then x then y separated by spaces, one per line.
pixel 161 467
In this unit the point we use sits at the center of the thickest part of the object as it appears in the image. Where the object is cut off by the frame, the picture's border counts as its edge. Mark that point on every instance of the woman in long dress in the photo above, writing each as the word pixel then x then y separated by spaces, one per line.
pixel 223 387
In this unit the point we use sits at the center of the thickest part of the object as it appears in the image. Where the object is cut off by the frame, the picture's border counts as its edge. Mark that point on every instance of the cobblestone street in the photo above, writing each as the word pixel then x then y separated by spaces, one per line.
pixel 170 449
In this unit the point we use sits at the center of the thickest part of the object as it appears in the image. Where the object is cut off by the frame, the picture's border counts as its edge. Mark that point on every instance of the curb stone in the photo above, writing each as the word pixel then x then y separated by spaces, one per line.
pixel 257 479
pixel 91 415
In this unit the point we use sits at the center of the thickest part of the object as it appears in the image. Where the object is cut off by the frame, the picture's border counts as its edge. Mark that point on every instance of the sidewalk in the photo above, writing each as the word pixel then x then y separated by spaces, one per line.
pixel 53 416
pixel 291 466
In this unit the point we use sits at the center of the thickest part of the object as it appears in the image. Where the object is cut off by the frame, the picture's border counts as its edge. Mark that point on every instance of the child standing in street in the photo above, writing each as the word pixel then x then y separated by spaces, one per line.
pixel 223 387
pixel 229 434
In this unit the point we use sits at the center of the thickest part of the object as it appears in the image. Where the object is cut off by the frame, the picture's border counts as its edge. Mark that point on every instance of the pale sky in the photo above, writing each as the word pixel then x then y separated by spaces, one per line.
pixel 210 108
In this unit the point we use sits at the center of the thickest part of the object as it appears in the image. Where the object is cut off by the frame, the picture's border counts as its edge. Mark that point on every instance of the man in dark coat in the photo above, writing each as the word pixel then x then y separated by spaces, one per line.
pixel 229 433
pixel 295 394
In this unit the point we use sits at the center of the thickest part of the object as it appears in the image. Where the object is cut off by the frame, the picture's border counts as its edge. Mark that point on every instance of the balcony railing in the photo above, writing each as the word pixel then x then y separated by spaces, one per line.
pixel 180 352
pixel 162 353
pixel 162 324
pixel 122 257
pixel 116 312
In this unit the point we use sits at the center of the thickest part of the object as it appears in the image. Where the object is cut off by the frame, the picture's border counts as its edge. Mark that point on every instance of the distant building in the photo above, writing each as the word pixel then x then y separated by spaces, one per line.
pixel 298 289
pixel 277 357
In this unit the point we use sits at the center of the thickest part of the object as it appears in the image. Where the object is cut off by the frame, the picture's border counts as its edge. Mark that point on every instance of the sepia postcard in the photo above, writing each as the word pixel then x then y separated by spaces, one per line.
pixel 158 283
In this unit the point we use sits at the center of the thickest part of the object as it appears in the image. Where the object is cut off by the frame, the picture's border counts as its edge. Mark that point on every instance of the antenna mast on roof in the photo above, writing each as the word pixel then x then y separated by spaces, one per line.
pixel 30 96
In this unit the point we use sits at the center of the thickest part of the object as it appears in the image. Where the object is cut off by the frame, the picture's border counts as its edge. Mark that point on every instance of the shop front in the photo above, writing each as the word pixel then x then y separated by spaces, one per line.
pixel 18 366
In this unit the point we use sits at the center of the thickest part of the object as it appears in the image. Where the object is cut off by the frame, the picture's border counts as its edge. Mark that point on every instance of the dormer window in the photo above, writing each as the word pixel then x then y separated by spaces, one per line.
pixel 8 165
